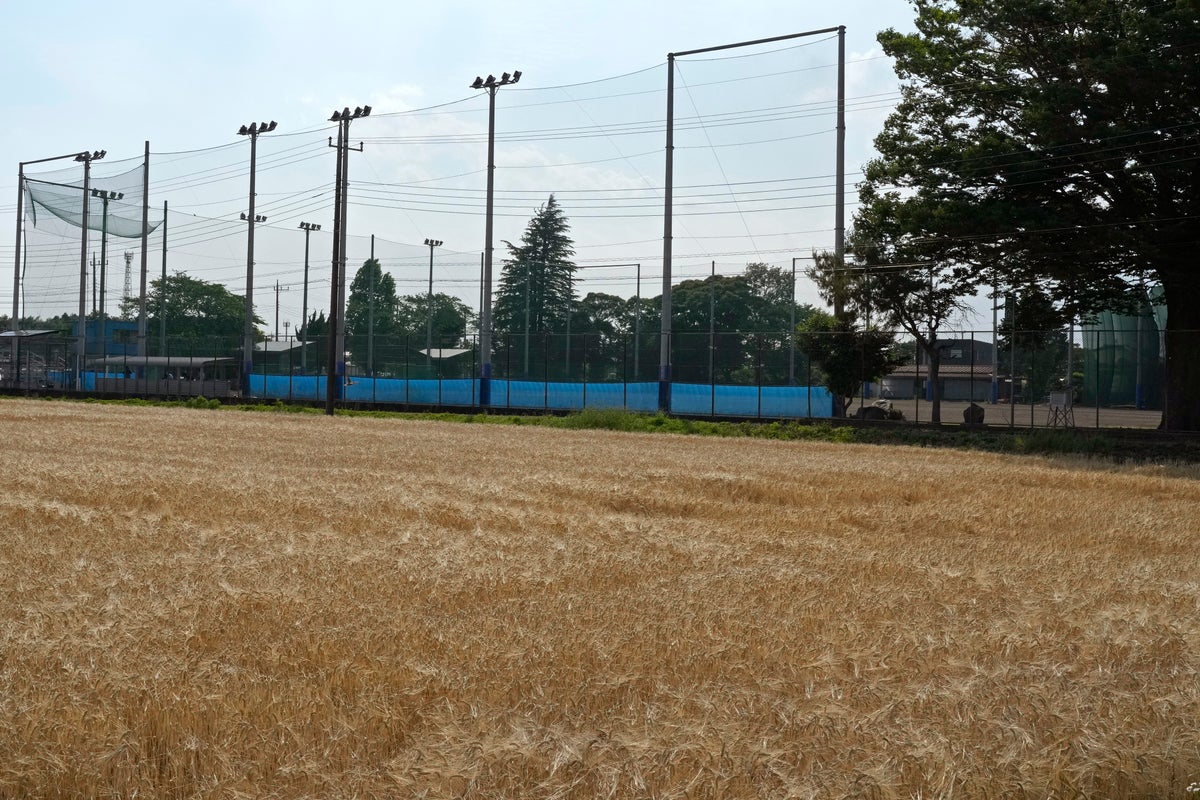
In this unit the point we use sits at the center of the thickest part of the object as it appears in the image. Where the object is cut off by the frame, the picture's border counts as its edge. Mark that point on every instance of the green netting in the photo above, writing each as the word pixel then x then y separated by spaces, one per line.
pixel 1115 345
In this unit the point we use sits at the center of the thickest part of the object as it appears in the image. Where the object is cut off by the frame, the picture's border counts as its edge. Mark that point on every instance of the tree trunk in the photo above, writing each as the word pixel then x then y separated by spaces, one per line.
pixel 934 357
pixel 840 404
pixel 1181 396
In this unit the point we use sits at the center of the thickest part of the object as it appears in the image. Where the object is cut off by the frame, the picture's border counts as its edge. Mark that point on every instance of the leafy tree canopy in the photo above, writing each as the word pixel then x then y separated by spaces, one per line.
pixel 205 314
pixel 847 355
pixel 1041 141
pixel 538 283
pixel 848 349
pixel 371 302
pixel 443 316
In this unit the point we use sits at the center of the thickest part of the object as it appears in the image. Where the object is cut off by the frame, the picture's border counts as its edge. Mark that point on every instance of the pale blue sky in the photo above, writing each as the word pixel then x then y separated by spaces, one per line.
pixel 186 75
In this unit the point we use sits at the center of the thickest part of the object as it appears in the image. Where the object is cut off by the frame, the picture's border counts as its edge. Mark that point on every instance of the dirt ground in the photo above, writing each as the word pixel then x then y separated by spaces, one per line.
pixel 1026 416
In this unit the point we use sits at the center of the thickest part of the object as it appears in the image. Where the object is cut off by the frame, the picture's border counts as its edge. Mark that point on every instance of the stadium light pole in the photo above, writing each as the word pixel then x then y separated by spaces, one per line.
pixel 105 197
pixel 431 243
pixel 308 228
pixel 252 130
pixel 792 329
pixel 81 353
pixel 664 352
pixel 15 322
pixel 485 313
pixel 336 370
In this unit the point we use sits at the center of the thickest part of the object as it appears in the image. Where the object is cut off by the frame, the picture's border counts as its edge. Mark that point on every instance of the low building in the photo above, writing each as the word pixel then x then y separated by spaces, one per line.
pixel 964 373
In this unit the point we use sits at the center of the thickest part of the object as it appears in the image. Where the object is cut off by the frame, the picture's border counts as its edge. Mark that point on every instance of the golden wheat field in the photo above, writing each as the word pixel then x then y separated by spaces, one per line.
pixel 217 604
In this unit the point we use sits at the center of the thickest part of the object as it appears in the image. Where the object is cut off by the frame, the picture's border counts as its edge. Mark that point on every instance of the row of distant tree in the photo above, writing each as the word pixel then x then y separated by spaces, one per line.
pixel 741 329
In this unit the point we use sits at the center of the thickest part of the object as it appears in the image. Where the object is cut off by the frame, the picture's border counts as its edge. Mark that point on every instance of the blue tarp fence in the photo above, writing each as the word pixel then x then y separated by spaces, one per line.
pixel 686 398
pixel 690 399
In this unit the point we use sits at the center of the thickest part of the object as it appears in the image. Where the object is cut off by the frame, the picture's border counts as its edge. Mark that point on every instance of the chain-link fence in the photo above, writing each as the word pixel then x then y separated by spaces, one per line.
pixel 1094 377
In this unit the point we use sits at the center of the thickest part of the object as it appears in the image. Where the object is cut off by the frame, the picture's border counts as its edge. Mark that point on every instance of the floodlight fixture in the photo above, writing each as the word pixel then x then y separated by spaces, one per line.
pixel 485 301
pixel 432 243
pixel 252 130
pixel 308 228
pixel 337 301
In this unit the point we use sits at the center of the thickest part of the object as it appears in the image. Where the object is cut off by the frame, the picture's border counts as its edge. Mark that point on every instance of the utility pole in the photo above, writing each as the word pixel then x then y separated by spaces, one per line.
pixel 712 324
pixel 102 318
pixel 637 322
pixel 792 330
pixel 142 349
pixel 162 300
pixel 371 313
pixel 81 347
pixel 528 289
pixel 278 289
pixel 485 325
pixel 430 243
pixel 253 130
pixel 336 370
pixel 308 228
pixel 567 360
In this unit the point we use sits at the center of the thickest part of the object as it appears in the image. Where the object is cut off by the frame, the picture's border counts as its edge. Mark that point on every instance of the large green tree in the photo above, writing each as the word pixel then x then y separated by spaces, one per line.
pixel 748 315
pixel 710 318
pixel 443 317
pixel 846 346
pixel 1052 142
pixel 202 318
pixel 849 355
pixel 537 287
pixel 601 343
pixel 1033 342
pixel 370 311
pixel 901 277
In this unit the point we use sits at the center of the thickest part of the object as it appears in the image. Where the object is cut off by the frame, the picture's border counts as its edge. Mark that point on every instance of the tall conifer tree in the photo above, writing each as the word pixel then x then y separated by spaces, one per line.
pixel 538 274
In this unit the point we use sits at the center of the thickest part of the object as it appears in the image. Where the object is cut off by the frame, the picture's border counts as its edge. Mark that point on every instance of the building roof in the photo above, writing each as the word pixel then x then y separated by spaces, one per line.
pixel 272 346
pixel 24 334
pixel 159 361
pixel 444 352
pixel 944 371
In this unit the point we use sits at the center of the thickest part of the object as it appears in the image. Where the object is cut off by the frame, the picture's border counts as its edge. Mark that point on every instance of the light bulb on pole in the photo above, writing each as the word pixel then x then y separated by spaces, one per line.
pixel 485 313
